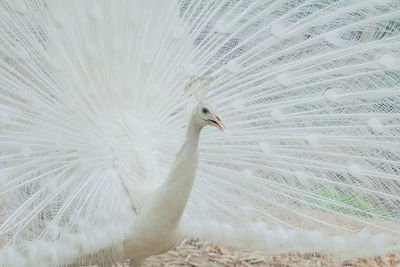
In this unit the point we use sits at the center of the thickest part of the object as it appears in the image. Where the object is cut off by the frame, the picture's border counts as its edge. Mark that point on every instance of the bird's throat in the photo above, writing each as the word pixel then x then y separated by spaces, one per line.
pixel 177 187
pixel 162 209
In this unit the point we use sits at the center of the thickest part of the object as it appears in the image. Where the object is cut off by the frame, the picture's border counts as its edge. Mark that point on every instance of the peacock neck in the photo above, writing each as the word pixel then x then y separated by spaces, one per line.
pixel 192 135
pixel 166 204
pixel 181 177
pixel 157 221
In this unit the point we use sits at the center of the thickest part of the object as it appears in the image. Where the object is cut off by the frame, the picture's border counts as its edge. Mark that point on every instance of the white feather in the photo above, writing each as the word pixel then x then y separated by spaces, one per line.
pixel 92 114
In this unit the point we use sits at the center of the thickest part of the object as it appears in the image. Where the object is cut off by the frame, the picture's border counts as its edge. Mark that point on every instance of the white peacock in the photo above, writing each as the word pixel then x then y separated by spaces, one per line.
pixel 93 113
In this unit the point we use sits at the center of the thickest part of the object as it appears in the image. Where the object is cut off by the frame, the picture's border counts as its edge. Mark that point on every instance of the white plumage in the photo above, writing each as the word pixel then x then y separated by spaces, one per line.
pixel 93 112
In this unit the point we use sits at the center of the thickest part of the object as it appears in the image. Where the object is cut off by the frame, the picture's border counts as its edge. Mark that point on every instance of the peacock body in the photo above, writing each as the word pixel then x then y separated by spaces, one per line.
pixel 93 113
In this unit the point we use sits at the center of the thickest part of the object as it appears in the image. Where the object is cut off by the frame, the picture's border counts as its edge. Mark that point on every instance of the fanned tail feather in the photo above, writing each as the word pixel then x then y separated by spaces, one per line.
pixel 93 110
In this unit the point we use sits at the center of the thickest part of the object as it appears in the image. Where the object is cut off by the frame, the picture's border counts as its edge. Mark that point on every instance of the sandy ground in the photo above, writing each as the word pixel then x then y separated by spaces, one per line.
pixel 194 253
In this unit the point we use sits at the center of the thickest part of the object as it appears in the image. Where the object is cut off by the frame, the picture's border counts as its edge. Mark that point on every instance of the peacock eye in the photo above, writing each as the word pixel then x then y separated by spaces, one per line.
pixel 204 110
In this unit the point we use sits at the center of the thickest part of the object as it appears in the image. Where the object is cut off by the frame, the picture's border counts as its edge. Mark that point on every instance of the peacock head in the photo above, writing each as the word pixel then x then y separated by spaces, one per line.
pixel 205 113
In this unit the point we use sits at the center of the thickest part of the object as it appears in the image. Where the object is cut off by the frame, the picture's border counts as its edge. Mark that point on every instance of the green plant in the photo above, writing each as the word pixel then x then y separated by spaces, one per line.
pixel 350 201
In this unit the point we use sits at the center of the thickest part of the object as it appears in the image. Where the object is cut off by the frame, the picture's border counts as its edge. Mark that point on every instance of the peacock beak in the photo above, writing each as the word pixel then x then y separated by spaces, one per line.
pixel 218 123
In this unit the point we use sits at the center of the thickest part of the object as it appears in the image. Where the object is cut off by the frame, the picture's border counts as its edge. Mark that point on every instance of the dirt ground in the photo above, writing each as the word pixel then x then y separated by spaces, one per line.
pixel 194 253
